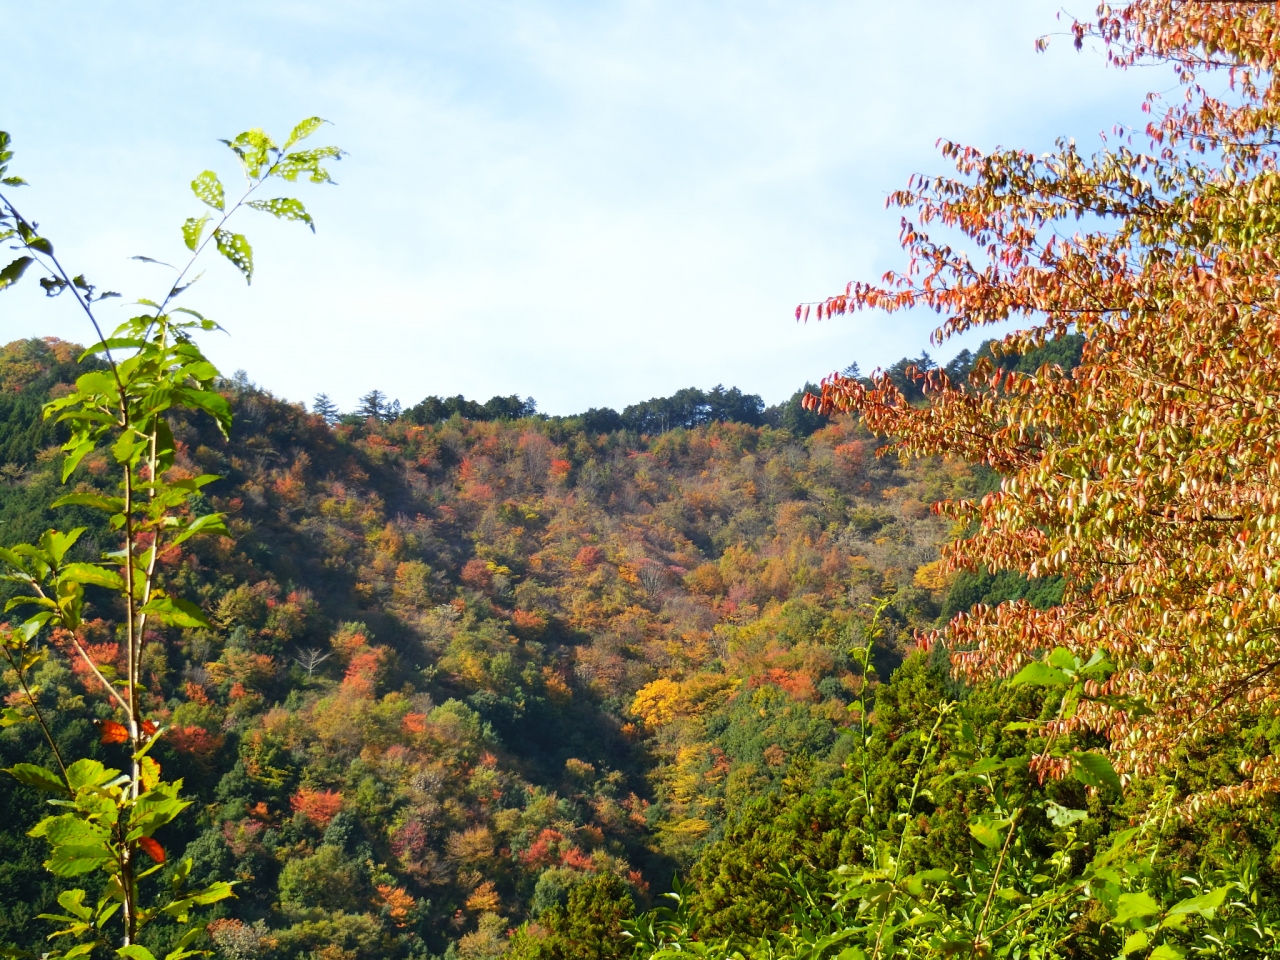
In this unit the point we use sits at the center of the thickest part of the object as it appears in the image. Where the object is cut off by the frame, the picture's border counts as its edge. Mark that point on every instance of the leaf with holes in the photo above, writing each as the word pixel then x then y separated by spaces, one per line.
pixel 236 248
pixel 208 190
pixel 285 208
pixel 193 230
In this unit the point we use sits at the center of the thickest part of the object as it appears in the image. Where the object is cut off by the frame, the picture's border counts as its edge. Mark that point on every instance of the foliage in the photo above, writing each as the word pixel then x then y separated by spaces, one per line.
pixel 106 819
pixel 1144 477
pixel 430 639
pixel 938 841
pixel 588 927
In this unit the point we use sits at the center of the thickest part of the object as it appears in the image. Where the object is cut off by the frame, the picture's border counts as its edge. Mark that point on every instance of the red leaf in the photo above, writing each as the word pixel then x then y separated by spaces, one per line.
pixel 148 727
pixel 152 849
pixel 113 732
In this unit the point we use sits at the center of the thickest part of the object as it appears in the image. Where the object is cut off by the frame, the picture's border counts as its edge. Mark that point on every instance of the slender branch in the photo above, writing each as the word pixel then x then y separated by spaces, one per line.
pixel 62 273
pixel 98 673
pixel 85 656
pixel 35 707
pixel 995 877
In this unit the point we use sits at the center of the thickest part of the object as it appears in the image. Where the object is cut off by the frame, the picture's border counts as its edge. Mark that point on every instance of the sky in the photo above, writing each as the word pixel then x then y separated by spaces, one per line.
pixel 589 203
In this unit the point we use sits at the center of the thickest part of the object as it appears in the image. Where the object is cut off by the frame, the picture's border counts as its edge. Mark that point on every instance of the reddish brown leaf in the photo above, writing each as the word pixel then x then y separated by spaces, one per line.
pixel 113 732
pixel 152 849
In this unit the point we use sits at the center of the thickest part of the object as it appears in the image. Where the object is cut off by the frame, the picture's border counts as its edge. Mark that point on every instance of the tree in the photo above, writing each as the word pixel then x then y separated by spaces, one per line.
pixel 325 409
pixel 311 657
pixel 1146 477
pixel 105 820
pixel 373 405
pixel 588 927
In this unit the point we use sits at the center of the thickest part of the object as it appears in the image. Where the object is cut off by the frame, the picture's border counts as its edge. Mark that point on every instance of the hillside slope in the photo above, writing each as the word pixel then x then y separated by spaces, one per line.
pixel 458 666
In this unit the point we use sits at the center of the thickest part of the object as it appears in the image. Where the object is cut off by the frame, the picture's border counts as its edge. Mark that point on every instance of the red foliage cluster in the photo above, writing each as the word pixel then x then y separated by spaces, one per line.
pixel 361 677
pixel 589 557
pixel 196 741
pixel 476 573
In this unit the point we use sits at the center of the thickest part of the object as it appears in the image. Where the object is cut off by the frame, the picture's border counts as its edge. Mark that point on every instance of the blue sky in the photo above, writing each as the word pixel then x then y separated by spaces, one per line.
pixel 587 203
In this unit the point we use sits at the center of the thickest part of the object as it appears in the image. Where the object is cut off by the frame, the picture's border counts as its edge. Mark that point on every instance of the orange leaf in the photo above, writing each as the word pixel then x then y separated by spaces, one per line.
pixel 113 732
pixel 152 849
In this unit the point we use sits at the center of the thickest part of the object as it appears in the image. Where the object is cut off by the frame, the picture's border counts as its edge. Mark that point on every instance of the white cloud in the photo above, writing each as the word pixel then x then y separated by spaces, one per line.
pixel 591 203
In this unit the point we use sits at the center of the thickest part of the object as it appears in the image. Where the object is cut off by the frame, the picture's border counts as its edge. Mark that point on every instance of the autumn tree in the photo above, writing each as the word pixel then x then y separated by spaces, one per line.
pixel 1146 477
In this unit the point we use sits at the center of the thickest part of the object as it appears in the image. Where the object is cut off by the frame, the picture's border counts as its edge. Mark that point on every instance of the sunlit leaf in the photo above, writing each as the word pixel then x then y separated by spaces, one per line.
pixel 236 248
pixel 208 190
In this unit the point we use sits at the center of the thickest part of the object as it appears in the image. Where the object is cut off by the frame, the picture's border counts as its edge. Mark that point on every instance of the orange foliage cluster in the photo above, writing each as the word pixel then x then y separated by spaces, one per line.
pixel 1146 477
pixel 318 806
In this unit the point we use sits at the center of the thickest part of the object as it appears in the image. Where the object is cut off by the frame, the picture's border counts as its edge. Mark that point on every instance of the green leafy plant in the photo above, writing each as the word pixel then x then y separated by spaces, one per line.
pixel 142 373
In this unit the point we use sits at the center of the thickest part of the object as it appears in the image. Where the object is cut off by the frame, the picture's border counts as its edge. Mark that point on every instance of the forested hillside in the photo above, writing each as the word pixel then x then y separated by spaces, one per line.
pixel 456 667
pixel 968 661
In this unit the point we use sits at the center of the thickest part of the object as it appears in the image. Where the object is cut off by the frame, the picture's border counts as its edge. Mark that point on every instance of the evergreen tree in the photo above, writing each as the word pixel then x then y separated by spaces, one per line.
pixel 372 405
pixel 326 409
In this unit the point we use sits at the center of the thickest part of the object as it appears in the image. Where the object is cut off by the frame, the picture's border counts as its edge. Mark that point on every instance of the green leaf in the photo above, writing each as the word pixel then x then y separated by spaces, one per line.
pixel 76 454
pixel 72 901
pixel 1063 659
pixel 1098 665
pixel 192 230
pixel 1203 905
pixel 135 951
pixel 57 544
pixel 1040 674
pixel 96 500
pixel 303 130
pixel 1134 905
pixel 180 949
pixel 285 208
pixel 127 447
pixel 12 716
pixel 915 883
pixel 985 832
pixel 1167 951
pixel 175 612
pixel 14 271
pixel 1061 816
pixel 1095 770
pixel 1136 943
pixel 208 190
pixel 74 860
pixel 209 523
pixel 93 575
pixel 307 161
pixel 252 147
pixel 236 248
pixel 210 401
pixel 89 773
pixel 38 777
pixel 96 382
pixel 213 893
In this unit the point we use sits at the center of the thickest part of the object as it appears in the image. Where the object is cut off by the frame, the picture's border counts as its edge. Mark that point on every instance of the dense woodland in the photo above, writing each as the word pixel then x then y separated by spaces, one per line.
pixel 967 661
pixel 463 666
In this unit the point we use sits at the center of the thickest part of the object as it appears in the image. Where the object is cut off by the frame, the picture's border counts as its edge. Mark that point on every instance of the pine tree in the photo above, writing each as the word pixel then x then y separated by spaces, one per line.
pixel 325 409
pixel 372 404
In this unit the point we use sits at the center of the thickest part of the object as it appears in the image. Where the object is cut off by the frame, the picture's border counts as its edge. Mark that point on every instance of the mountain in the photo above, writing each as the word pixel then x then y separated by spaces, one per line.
pixel 459 665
